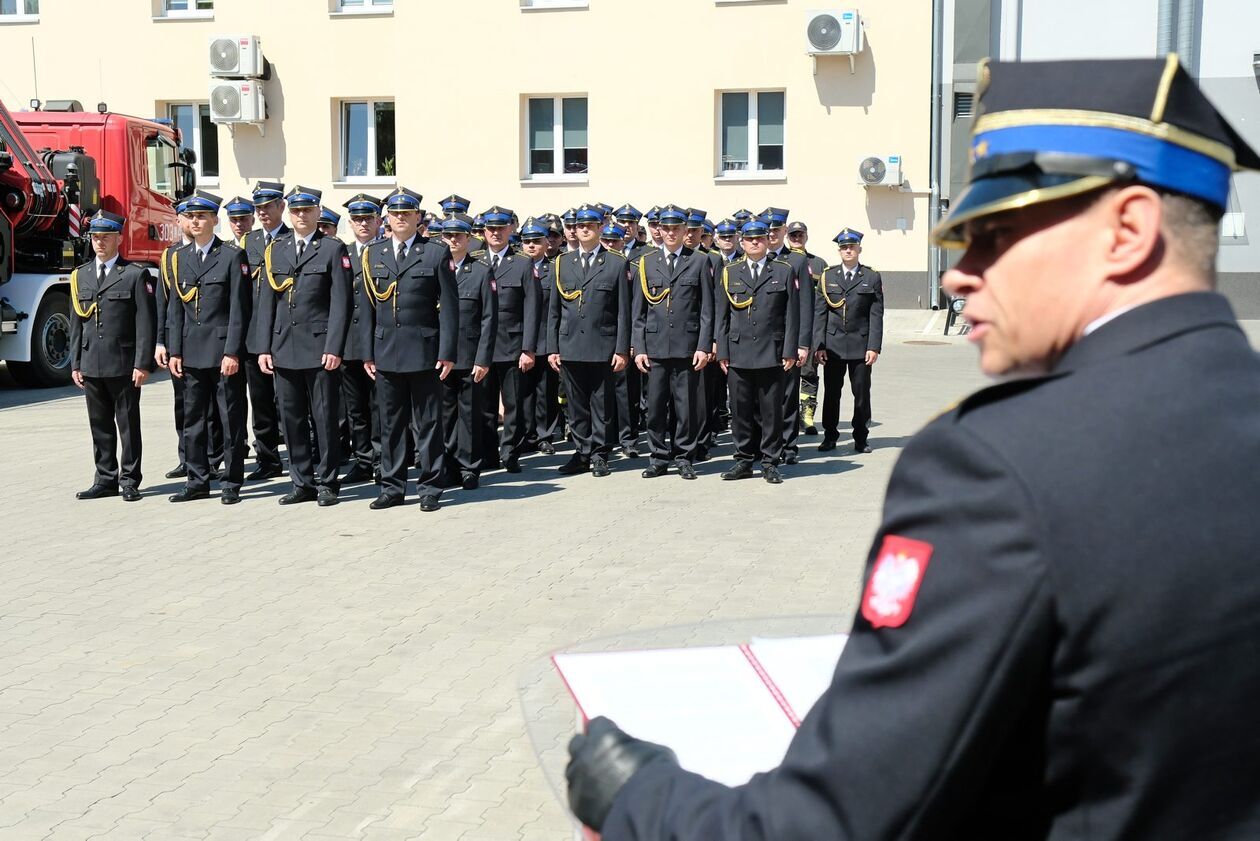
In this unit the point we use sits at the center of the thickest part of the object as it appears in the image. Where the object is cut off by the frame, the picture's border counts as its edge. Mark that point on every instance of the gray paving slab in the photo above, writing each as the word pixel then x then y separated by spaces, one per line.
pixel 205 672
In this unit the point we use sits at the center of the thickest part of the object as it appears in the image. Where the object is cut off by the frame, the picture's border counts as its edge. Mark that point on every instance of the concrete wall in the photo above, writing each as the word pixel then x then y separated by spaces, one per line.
pixel 459 74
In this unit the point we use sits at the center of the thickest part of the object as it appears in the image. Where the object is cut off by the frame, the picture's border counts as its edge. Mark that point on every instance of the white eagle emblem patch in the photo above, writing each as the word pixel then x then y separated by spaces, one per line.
pixel 894 582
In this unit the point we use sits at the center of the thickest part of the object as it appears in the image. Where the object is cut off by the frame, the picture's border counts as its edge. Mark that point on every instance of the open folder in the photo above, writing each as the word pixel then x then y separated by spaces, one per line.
pixel 728 712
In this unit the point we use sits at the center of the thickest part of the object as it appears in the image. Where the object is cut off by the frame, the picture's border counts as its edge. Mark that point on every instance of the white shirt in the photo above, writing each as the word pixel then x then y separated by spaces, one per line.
pixel 500 254
pixel 592 252
pixel 760 264
pixel 109 264
pixel 676 254
pixel 204 249
pixel 268 236
pixel 458 264
pixel 409 243
pixel 1103 319
pixel 846 271
pixel 306 240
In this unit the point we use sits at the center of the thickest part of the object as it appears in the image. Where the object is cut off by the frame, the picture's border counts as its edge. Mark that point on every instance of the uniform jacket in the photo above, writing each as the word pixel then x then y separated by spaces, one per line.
pixel 120 335
pixel 856 324
pixel 1076 663
pixel 517 299
pixel 597 324
pixel 799 261
pixel 213 323
pixel 419 324
pixel 359 336
pixel 681 324
pixel 255 245
pixel 311 318
pixel 478 314
pixel 762 334
pixel 166 275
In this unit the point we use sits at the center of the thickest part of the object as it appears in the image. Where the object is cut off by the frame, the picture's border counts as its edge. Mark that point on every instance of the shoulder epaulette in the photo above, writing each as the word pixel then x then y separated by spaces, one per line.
pixel 480 252
pixel 798 251
pixel 782 262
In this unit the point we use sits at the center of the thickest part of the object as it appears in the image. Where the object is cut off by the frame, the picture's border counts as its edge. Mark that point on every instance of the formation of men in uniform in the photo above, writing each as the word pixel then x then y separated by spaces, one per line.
pixel 410 345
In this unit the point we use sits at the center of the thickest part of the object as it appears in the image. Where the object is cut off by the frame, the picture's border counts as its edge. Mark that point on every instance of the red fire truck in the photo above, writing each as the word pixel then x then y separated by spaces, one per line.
pixel 58 166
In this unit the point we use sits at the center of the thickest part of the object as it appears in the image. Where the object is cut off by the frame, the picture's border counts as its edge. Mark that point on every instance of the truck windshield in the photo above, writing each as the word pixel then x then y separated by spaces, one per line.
pixel 162 156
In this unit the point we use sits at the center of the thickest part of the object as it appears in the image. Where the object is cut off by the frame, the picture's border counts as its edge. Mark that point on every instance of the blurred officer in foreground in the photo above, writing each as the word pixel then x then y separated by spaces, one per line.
pixel 112 341
pixel 1058 633
pixel 848 336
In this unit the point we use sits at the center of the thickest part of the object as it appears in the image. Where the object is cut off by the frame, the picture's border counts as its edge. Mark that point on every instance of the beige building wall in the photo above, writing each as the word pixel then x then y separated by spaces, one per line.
pixel 460 74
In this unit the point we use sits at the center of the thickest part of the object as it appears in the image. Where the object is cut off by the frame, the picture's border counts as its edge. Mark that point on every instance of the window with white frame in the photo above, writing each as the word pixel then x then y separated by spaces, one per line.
pixel 198 133
pixel 751 125
pixel 367 141
pixel 363 5
pixel 187 8
pixel 18 10
pixel 555 137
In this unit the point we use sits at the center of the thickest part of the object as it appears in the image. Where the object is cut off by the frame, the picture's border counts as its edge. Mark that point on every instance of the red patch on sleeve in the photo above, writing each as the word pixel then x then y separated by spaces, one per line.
pixel 894 582
pixel 148 284
pixel 244 270
pixel 345 261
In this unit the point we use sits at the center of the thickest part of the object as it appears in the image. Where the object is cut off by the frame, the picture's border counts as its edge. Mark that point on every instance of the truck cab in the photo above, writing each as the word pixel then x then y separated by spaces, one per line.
pixel 127 165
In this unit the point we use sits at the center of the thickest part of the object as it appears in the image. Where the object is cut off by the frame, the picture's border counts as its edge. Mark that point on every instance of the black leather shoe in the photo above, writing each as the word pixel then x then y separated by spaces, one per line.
pixel 827 444
pixel 97 492
pixel 630 452
pixel 386 501
pixel 269 471
pixel 739 471
pixel 327 497
pixel 188 495
pixel 547 447
pixel 229 496
pixel 599 467
pixel 654 470
pixel 791 457
pixel 131 494
pixel 512 465
pixel 177 473
pixel 297 496
pixel 469 481
pixel 811 430
pixel 356 475
pixel 862 448
pixel 428 503
pixel 573 466
pixel 686 471
pixel 771 474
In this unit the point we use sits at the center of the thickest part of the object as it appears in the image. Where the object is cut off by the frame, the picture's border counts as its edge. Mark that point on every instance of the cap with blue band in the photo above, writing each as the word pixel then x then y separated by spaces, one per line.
pixel 848 237
pixel 105 222
pixel 458 223
pixel 403 199
pixel 612 232
pixel 239 206
pixel 533 229
pixel 755 228
pixel 363 205
pixel 203 202
pixel 497 217
pixel 588 213
pixel 301 196
pixel 329 217
pixel 265 191
pixel 672 214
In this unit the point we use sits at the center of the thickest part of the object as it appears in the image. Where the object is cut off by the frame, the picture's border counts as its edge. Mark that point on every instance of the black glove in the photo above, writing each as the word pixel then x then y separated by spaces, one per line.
pixel 600 763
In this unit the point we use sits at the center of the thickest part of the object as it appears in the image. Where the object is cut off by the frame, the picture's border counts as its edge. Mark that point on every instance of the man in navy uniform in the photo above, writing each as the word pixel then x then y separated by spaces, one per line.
pixel 306 310
pixel 1057 634
pixel 463 391
pixel 329 221
pixel 207 318
pixel 777 219
pixel 798 238
pixel 264 408
pixel 168 263
pixel 516 293
pixel 358 392
pixel 240 216
pixel 112 340
pixel 848 336
pixel 756 326
pixel 545 425
pixel 672 338
pixel 588 338
pixel 414 343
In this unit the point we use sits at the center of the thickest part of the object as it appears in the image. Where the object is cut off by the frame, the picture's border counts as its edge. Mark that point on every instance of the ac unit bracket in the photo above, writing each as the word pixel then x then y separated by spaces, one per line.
pixel 814 58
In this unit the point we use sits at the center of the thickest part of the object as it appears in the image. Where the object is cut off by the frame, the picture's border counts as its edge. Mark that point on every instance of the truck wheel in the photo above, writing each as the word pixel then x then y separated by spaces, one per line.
pixel 50 345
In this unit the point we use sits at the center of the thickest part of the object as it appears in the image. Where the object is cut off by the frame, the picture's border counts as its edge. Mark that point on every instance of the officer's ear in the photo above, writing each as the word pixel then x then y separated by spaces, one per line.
pixel 1130 227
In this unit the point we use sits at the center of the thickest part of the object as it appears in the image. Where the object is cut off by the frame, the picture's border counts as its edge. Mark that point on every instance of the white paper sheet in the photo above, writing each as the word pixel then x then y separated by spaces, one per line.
pixel 802 667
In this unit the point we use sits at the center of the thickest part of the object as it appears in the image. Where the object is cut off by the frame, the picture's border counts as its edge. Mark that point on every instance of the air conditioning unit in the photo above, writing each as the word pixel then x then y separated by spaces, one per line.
pixel 833 32
pixel 237 101
pixel 236 57
pixel 880 171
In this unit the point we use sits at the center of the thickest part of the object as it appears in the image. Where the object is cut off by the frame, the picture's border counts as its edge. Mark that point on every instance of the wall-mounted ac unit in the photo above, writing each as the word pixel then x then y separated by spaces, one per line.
pixel 236 57
pixel 880 171
pixel 237 101
pixel 833 32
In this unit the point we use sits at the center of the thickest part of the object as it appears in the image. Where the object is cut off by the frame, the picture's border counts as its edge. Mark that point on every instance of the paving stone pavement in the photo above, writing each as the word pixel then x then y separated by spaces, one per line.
pixel 257 672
